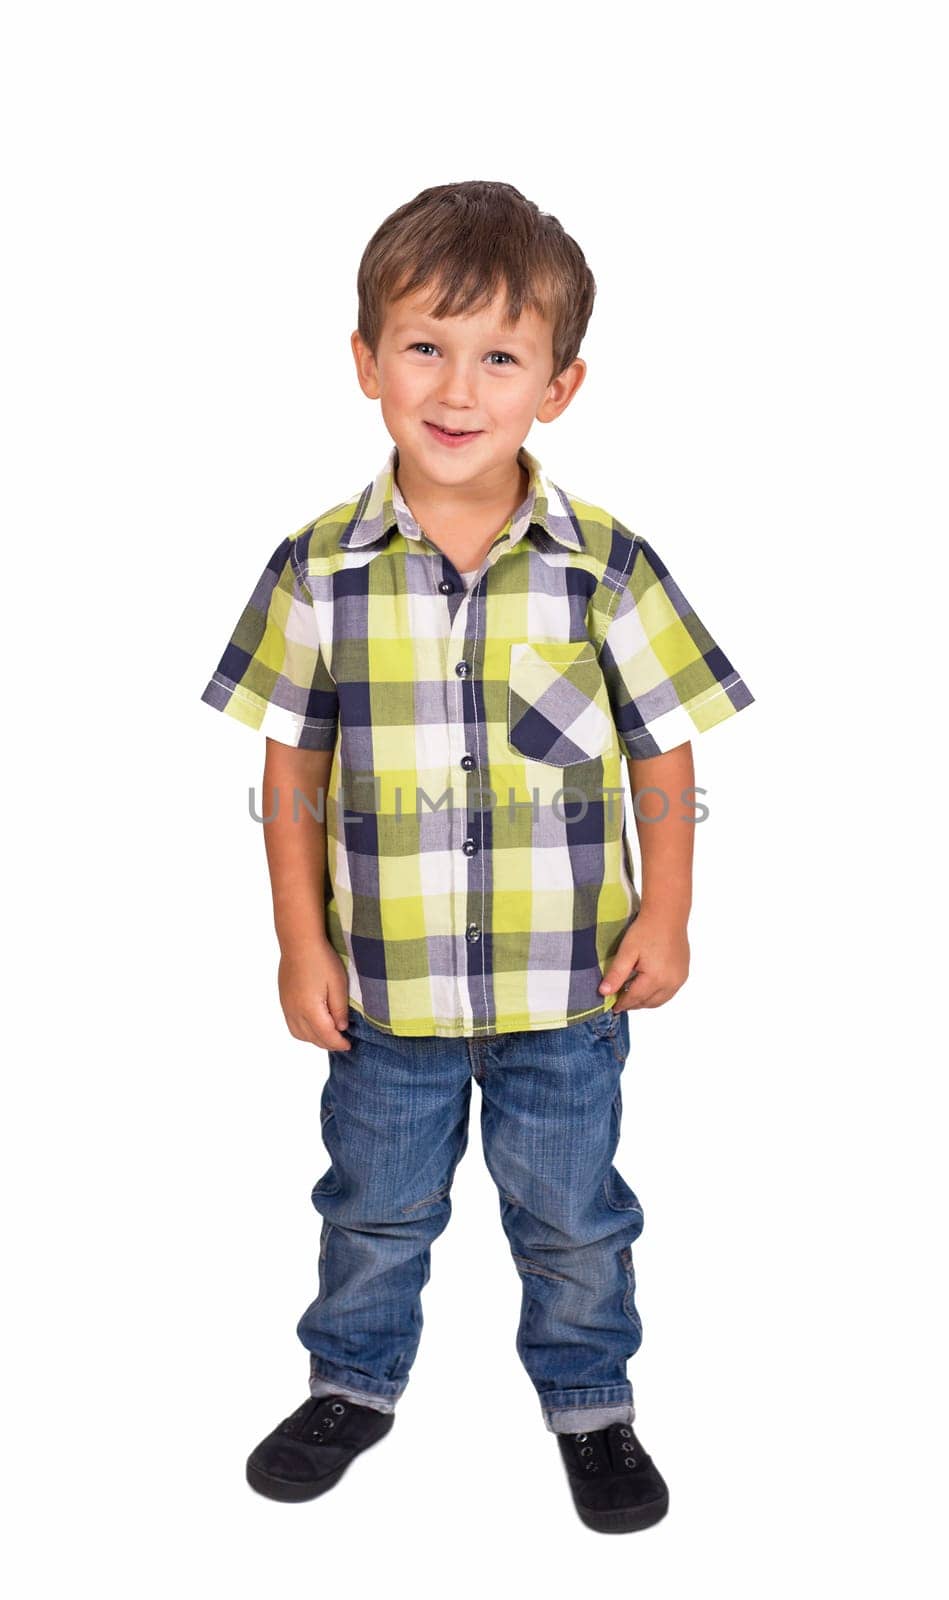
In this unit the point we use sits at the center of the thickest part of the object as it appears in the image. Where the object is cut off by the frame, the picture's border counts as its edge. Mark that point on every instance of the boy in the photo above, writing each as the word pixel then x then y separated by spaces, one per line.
pixel 448 667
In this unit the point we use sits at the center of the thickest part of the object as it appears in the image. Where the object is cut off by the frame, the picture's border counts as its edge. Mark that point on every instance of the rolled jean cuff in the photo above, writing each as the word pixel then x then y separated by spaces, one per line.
pixel 586 1410
pixel 323 1382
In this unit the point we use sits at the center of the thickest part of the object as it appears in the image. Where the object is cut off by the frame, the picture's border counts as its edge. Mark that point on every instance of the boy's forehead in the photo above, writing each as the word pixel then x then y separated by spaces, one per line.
pixel 412 312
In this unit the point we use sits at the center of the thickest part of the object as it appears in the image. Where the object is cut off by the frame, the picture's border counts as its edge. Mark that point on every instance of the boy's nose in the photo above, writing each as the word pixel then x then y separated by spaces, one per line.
pixel 457 389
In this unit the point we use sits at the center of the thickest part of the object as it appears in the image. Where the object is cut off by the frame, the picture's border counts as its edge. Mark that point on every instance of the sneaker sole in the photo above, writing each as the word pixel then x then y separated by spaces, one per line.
pixel 625 1519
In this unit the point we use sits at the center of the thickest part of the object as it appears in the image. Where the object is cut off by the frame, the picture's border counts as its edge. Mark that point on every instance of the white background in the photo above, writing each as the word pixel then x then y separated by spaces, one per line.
pixel 759 192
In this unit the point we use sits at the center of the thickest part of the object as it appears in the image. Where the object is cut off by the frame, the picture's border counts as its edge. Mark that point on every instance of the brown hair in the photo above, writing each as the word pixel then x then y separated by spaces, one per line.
pixel 466 239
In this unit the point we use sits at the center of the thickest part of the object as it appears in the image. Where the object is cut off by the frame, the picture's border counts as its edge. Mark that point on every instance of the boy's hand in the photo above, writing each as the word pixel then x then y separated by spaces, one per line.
pixel 658 950
pixel 314 994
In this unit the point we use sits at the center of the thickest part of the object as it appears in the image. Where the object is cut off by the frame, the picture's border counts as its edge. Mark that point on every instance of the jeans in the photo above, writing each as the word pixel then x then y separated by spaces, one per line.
pixel 394 1115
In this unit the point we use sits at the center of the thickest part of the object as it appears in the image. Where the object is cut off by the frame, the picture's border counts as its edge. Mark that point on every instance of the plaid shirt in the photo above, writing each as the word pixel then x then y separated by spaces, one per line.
pixel 479 874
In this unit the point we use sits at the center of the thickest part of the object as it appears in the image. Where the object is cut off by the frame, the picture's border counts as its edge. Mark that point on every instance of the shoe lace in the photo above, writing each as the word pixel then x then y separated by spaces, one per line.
pixel 606 1448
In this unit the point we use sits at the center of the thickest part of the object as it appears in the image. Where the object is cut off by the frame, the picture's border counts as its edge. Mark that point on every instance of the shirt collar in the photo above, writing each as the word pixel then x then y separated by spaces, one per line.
pixel 382 507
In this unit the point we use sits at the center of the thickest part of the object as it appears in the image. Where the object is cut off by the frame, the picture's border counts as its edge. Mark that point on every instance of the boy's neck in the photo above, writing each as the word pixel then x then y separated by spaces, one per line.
pixel 462 522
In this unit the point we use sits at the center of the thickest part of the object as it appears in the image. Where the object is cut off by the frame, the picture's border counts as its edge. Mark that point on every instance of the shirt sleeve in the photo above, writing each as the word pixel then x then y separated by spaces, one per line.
pixel 667 678
pixel 273 675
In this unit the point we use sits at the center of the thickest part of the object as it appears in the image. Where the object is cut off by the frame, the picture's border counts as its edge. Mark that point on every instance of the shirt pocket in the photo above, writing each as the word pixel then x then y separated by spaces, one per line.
pixel 558 707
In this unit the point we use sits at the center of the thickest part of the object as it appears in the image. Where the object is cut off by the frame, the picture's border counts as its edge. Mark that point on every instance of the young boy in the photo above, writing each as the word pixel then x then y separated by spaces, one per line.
pixel 448 667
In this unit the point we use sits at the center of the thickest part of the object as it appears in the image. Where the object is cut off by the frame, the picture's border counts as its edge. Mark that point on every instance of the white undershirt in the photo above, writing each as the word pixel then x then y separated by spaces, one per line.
pixel 468 578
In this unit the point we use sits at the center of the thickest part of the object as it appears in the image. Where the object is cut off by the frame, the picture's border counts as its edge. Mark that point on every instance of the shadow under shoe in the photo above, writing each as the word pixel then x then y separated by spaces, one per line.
pixel 308 1452
pixel 616 1486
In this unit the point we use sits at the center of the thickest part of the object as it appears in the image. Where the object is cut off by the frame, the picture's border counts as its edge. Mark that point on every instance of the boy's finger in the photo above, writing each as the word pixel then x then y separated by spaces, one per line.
pixel 613 978
pixel 338 1040
pixel 339 1010
pixel 618 978
pixel 641 996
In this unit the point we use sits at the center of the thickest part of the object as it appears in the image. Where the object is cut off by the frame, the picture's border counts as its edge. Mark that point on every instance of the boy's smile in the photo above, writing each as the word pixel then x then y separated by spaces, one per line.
pixel 458 397
pixel 452 437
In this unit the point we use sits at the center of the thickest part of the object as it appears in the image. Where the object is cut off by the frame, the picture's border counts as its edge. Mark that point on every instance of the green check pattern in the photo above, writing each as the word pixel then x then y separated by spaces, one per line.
pixel 479 871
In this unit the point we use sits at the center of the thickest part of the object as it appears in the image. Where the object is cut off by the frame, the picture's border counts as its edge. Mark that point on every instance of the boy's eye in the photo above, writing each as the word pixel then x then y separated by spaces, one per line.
pixel 422 344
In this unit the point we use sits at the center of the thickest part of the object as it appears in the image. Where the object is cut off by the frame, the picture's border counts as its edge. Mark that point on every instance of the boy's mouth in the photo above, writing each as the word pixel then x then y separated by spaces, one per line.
pixel 451 436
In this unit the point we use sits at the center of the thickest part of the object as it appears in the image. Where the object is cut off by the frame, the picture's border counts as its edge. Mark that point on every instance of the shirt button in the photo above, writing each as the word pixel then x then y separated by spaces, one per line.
pixel 469 847
pixel 462 668
pixel 473 933
pixel 467 762
pixel 445 586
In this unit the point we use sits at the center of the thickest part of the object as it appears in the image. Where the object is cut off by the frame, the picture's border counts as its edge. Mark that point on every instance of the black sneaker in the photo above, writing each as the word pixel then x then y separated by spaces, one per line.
pixel 616 1486
pixel 308 1452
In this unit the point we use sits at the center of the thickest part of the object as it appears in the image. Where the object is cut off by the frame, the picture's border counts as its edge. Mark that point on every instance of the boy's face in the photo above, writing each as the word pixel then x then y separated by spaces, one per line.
pixel 470 373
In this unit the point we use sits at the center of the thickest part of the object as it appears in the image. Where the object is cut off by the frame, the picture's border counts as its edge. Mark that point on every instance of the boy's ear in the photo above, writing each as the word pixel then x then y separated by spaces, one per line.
pixel 366 370
pixel 561 391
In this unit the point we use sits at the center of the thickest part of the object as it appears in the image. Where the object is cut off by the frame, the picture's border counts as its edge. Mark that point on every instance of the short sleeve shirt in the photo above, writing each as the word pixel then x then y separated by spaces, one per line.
pixel 479 872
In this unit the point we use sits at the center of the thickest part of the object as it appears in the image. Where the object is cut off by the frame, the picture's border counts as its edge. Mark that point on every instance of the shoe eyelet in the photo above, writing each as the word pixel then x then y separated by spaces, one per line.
pixel 587 1450
pixel 624 1432
pixel 630 1461
pixel 591 1466
pixel 338 1408
pixel 579 1437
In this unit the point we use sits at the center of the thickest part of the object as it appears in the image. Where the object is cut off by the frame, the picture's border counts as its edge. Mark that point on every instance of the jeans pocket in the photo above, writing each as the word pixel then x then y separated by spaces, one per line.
pixel 619 1036
pixel 612 1027
pixel 605 1023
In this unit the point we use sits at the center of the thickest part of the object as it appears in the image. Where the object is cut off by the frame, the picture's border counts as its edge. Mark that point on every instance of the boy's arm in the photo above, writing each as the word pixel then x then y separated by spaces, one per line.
pixel 656 945
pixel 314 991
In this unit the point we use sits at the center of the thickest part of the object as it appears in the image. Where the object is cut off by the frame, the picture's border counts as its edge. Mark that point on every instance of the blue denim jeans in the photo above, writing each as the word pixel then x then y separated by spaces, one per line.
pixel 394 1115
